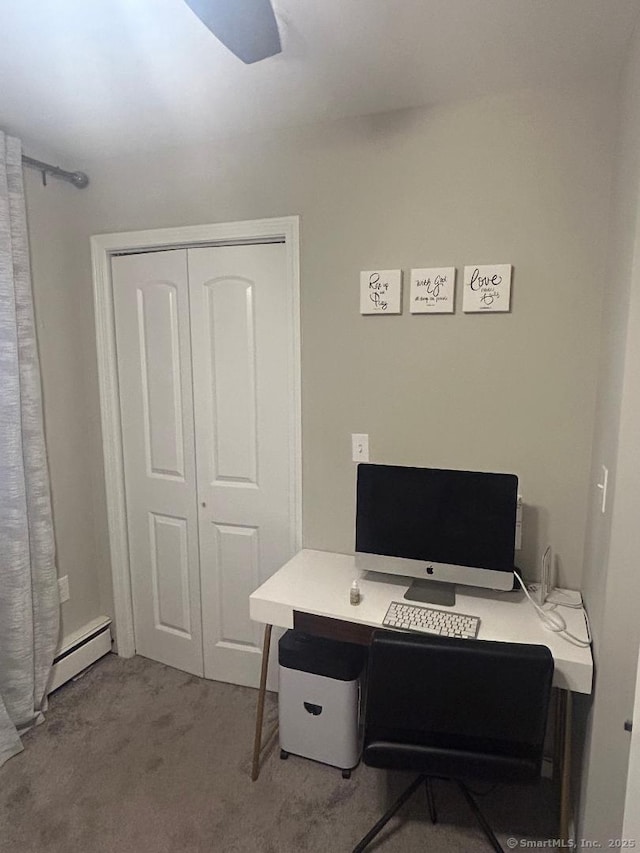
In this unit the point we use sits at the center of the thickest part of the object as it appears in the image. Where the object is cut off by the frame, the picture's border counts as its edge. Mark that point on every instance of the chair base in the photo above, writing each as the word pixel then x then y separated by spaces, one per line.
pixel 482 821
pixel 408 792
pixel 404 796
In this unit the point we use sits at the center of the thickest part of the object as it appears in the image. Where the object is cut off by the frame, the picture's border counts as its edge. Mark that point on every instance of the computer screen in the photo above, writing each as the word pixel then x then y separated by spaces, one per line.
pixel 458 525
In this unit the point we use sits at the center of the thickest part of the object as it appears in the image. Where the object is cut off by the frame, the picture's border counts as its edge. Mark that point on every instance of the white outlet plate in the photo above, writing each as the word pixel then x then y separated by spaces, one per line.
pixel 360 447
pixel 63 588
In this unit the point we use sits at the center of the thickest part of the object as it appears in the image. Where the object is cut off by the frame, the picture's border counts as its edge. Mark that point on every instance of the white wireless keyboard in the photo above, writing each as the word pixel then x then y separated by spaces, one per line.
pixel 426 620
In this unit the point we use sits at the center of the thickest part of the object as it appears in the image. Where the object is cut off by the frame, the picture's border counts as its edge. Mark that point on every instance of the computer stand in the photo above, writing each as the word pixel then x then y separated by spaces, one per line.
pixel 432 592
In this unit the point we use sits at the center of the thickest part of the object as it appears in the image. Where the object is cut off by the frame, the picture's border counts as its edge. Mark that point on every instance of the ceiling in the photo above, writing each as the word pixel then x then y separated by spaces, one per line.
pixel 93 78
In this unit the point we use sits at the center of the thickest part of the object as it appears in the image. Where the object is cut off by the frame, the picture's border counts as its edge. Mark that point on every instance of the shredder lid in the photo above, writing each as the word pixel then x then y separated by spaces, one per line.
pixel 318 656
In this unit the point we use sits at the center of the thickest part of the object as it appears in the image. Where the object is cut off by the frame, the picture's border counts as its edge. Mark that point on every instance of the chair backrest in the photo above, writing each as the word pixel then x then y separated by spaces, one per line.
pixel 422 688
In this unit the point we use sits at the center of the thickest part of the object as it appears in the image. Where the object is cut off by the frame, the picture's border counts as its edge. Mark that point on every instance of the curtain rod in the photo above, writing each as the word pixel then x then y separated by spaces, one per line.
pixel 78 179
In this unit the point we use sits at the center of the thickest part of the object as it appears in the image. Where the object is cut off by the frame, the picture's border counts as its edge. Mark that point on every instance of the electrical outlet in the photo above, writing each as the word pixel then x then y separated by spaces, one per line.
pixel 63 588
pixel 360 447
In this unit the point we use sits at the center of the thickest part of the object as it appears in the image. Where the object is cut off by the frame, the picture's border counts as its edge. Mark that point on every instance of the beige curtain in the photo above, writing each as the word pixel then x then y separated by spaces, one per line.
pixel 29 605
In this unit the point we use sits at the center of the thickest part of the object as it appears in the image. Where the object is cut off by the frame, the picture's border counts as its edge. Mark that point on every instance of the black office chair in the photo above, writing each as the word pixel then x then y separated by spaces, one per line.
pixel 455 709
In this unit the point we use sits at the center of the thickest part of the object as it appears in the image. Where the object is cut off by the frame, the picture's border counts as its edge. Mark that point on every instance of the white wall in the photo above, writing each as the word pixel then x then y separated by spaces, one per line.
pixel 66 342
pixel 521 179
pixel 612 578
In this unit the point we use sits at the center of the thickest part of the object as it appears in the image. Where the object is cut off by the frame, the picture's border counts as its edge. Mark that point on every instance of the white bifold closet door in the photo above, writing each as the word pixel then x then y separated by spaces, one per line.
pixel 204 345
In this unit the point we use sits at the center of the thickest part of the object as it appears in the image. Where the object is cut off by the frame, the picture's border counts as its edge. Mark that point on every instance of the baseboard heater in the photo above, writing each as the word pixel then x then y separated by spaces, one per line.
pixel 79 650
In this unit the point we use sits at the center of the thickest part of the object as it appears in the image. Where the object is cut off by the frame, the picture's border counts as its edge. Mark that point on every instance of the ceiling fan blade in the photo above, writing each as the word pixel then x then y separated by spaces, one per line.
pixel 247 27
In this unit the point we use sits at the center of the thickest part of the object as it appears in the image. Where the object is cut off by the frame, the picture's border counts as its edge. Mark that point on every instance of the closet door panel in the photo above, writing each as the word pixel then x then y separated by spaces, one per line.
pixel 151 311
pixel 160 363
pixel 242 340
pixel 232 352
pixel 237 556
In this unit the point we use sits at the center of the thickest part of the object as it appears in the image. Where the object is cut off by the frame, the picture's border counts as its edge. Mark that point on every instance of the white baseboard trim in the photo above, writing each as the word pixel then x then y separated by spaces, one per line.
pixel 79 650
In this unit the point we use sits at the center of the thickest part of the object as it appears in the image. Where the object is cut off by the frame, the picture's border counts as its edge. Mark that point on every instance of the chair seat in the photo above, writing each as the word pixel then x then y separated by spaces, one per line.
pixel 445 762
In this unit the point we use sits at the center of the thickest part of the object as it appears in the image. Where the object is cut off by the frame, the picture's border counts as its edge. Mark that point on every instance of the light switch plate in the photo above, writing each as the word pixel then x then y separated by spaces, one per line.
pixel 360 447
pixel 602 485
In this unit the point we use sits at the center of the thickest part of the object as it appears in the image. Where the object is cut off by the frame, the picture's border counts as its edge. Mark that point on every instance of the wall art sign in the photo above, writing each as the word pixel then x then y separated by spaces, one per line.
pixel 487 288
pixel 433 290
pixel 381 292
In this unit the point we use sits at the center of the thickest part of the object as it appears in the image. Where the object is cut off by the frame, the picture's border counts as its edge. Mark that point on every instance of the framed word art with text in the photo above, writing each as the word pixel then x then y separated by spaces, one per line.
pixel 487 288
pixel 433 290
pixel 381 292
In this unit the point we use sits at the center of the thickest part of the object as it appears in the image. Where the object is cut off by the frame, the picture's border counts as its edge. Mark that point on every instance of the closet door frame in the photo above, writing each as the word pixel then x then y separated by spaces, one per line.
pixel 103 247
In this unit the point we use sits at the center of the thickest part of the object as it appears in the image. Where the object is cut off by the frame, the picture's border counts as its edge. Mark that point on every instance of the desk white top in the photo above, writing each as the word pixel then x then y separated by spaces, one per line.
pixel 318 582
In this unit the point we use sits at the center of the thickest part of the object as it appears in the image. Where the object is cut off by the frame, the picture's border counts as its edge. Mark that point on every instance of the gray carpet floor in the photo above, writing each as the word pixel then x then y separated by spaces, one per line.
pixel 135 756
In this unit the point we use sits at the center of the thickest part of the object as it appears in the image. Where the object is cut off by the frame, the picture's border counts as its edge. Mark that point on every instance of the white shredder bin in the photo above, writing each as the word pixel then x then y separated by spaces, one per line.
pixel 319 699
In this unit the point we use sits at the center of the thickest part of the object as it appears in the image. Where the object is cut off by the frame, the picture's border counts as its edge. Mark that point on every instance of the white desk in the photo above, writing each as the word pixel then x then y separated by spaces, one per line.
pixel 311 593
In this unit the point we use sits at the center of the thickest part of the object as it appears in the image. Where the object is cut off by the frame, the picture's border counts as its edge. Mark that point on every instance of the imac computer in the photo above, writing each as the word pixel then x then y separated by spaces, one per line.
pixel 437 526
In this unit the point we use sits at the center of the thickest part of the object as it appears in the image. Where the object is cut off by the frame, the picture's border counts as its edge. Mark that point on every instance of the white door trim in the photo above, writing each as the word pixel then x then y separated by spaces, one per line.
pixel 103 246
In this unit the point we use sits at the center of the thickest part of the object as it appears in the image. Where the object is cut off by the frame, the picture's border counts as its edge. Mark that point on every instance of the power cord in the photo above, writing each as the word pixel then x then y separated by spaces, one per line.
pixel 574 605
pixel 555 621
pixel 552 599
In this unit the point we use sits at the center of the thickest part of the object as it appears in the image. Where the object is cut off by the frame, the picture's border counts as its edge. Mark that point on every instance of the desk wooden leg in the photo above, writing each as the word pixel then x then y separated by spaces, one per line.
pixel 558 734
pixel 566 710
pixel 257 743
